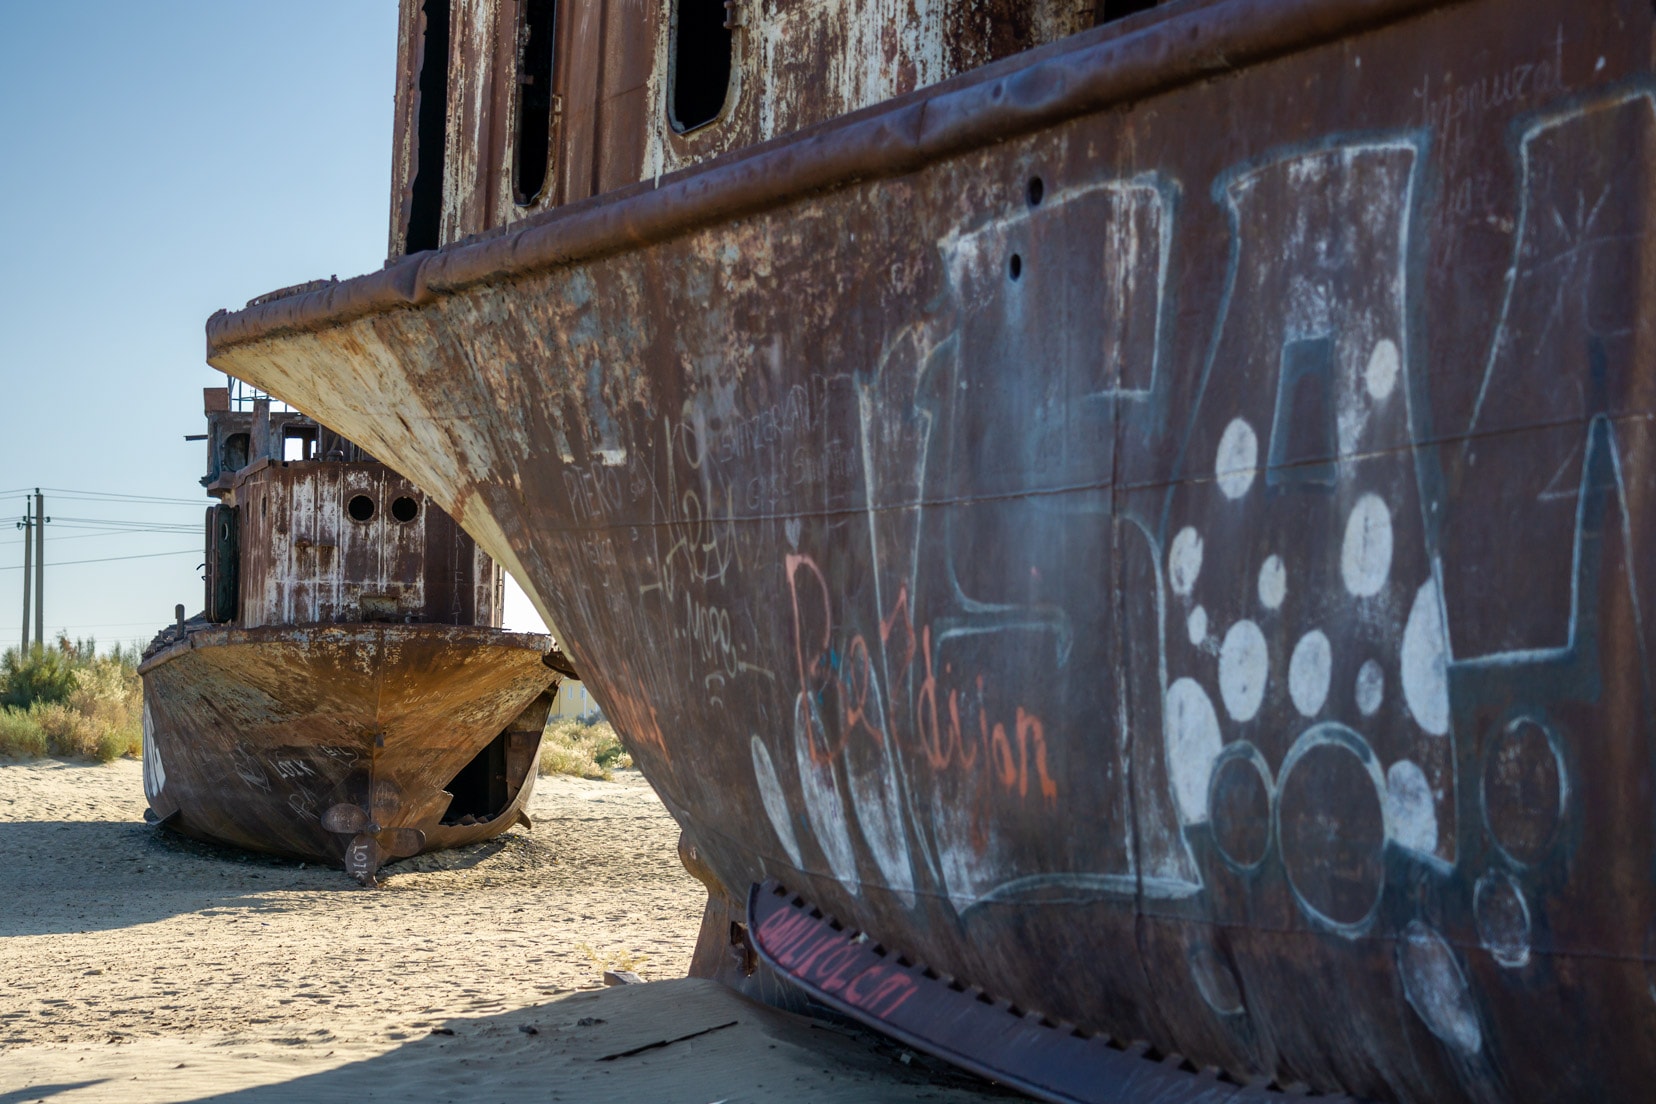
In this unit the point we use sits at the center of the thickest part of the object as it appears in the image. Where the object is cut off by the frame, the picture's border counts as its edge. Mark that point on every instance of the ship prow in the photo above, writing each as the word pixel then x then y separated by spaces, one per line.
pixel 346 744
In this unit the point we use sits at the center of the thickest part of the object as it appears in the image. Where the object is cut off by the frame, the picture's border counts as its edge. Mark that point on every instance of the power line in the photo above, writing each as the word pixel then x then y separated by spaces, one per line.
pixel 112 533
pixel 112 559
pixel 128 523
pixel 123 523
pixel 114 496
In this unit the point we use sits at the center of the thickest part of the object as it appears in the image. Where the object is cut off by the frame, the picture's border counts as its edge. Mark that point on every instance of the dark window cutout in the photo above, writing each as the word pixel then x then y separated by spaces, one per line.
pixel 1304 437
pixel 701 64
pixel 480 789
pixel 233 457
pixel 361 508
pixel 1014 267
pixel 536 42
pixel 425 208
pixel 405 509
pixel 1108 11
pixel 1036 191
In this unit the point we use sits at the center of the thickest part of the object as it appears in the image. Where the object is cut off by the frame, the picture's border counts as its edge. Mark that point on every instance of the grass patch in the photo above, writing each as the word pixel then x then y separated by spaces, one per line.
pixel 69 701
pixel 583 750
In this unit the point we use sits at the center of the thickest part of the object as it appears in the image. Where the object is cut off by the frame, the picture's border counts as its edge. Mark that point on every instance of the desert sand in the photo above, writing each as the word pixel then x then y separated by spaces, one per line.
pixel 136 966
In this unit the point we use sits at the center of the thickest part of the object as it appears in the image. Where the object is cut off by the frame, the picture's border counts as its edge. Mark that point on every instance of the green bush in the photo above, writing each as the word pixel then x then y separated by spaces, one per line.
pixel 584 750
pixel 69 701
pixel 40 675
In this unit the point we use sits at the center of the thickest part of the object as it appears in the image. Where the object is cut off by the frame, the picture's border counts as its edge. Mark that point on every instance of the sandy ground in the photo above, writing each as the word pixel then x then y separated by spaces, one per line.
pixel 136 966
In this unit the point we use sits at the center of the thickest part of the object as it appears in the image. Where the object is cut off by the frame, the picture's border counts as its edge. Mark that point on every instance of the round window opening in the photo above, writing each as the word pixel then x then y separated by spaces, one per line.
pixel 405 509
pixel 361 508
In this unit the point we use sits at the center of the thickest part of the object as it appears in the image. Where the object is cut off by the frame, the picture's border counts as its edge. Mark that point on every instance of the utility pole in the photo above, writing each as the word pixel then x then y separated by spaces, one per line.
pixel 40 568
pixel 26 523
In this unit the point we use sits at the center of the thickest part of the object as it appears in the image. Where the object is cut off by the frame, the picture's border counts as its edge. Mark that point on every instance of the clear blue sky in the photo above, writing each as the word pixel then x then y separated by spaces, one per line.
pixel 159 161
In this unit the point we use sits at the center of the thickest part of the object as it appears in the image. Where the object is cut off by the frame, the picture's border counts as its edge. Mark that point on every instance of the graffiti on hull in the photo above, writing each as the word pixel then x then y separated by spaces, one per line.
pixel 1260 660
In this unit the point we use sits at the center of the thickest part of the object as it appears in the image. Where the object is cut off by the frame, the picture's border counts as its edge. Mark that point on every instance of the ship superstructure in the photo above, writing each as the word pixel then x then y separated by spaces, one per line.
pixel 347 694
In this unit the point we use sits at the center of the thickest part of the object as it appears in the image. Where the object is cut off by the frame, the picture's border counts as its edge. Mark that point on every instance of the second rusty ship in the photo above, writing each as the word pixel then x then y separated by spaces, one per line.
pixel 347 695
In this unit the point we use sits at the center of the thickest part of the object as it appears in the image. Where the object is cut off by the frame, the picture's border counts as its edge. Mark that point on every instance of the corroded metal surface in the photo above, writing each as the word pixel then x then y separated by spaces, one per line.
pixel 1153 531
pixel 335 742
pixel 794 63
pixel 305 558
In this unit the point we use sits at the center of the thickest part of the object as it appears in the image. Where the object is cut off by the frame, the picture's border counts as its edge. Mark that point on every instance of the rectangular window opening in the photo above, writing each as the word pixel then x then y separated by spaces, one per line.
pixel 537 42
pixel 425 211
pixel 701 63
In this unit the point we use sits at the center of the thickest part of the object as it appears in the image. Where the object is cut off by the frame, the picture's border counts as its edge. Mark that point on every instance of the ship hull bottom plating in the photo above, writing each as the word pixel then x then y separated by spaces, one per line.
pixel 334 743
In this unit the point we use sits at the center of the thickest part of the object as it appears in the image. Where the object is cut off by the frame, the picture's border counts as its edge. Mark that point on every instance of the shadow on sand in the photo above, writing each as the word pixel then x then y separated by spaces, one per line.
pixel 687 1042
pixel 96 875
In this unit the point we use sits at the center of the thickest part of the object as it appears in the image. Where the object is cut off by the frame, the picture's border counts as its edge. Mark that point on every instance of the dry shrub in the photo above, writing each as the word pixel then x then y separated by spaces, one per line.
pixel 20 734
pixel 583 750
pixel 110 696
pixel 69 732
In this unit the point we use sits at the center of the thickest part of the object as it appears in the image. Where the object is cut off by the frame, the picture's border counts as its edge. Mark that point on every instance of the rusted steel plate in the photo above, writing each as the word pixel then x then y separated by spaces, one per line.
pixel 1171 508
pixel 305 558
pixel 858 977
pixel 335 743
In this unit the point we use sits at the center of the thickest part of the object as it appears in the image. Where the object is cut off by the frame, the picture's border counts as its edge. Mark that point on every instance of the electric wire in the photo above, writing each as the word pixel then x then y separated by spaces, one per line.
pixel 113 559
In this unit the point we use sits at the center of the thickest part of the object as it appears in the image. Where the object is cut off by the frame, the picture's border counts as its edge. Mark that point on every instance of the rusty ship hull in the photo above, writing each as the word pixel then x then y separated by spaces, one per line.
pixel 335 743
pixel 1149 530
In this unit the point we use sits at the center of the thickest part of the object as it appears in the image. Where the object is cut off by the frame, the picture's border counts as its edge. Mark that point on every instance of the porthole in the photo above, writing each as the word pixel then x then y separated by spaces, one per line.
pixel 405 509
pixel 361 508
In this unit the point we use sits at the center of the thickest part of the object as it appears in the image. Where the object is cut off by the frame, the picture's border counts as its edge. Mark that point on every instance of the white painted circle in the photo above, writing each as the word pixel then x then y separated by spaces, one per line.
pixel 1365 556
pixel 1191 729
pixel 1371 688
pixel 1273 582
pixel 1411 812
pixel 1503 919
pixel 1308 673
pixel 1381 375
pixel 776 804
pixel 1238 456
pixel 1196 625
pixel 1184 560
pixel 1425 661
pixel 1244 667
pixel 1436 988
